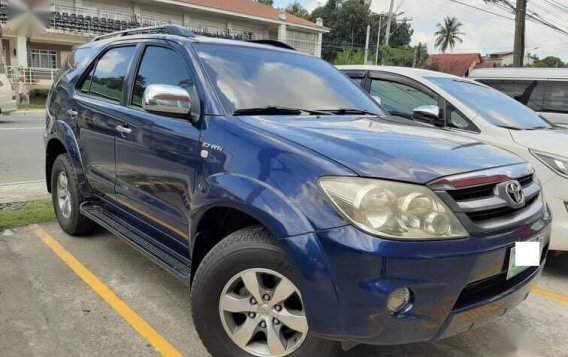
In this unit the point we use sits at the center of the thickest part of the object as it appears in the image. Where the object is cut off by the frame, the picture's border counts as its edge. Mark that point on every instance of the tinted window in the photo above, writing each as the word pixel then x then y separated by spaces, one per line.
pixel 87 82
pixel 160 66
pixel 556 99
pixel 248 77
pixel 399 98
pixel 492 105
pixel 457 120
pixel 110 73
pixel 530 93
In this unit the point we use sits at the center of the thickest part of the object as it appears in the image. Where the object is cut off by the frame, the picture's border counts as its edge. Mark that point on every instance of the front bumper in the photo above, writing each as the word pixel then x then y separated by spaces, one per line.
pixel 556 194
pixel 456 285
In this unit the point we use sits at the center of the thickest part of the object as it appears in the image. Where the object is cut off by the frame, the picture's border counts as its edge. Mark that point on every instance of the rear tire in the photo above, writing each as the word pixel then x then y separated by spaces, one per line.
pixel 66 197
pixel 225 275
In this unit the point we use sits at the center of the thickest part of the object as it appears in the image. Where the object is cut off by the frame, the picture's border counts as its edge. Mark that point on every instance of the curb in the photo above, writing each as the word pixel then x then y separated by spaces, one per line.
pixel 26 112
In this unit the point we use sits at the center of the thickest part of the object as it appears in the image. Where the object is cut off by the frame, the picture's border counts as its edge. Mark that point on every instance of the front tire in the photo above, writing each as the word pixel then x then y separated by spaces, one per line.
pixel 246 301
pixel 66 197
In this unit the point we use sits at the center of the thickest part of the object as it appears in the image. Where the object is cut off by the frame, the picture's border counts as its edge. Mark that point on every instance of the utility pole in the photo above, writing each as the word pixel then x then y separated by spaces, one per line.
pixel 520 26
pixel 378 40
pixel 416 52
pixel 389 22
pixel 366 58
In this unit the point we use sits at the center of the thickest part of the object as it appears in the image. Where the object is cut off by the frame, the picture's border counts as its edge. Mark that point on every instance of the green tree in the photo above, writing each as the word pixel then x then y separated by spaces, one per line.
pixel 550 61
pixel 348 57
pixel 266 2
pixel 448 34
pixel 297 9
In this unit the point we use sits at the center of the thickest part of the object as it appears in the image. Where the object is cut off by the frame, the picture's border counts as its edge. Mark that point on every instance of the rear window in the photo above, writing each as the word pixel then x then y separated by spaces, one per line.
pixel 107 78
pixel 528 92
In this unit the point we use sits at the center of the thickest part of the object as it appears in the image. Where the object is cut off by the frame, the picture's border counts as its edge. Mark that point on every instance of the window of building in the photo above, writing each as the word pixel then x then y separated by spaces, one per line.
pixel 556 98
pixel 42 58
pixel 108 78
pixel 160 66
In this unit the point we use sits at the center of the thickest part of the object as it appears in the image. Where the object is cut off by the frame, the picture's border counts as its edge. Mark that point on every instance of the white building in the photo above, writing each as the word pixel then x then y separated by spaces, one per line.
pixel 505 59
pixel 36 38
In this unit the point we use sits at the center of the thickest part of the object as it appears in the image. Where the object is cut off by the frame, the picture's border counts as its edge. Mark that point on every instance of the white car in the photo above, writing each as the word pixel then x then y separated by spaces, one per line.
pixel 544 90
pixel 8 102
pixel 476 110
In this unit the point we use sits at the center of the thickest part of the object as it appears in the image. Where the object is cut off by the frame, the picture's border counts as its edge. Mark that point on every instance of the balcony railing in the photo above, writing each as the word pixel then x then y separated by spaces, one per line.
pixel 32 75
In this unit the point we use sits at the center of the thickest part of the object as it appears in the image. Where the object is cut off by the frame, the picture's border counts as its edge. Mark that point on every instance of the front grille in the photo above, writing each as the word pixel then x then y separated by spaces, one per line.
pixel 500 212
pixel 476 199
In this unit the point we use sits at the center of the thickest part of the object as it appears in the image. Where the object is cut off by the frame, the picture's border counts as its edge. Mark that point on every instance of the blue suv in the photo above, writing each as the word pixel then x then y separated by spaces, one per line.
pixel 300 214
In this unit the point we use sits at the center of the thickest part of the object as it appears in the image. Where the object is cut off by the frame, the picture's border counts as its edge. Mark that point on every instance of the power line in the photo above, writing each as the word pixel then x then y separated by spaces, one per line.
pixel 483 10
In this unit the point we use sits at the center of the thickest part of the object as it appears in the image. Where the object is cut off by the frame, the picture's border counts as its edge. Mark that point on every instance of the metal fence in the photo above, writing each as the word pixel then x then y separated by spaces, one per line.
pixel 31 75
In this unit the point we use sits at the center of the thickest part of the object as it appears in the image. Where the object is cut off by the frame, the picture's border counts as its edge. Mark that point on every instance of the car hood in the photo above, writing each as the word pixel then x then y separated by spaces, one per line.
pixel 381 148
pixel 554 141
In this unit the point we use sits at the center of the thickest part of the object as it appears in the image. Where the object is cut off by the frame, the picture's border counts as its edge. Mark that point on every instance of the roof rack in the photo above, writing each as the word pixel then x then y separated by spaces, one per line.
pixel 273 43
pixel 163 29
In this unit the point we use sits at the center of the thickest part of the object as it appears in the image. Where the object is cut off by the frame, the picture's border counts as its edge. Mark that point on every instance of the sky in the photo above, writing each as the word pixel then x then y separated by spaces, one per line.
pixel 484 32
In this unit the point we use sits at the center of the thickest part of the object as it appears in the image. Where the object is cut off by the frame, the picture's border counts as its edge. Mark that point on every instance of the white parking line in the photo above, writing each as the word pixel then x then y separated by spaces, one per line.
pixel 30 128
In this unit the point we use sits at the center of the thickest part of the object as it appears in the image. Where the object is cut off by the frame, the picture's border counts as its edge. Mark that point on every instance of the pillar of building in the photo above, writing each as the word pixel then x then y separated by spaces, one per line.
pixel 22 51
pixel 282 36
pixel 319 23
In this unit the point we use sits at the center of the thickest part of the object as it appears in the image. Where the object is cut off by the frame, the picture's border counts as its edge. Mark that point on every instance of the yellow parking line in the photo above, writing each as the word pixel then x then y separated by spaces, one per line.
pixel 550 295
pixel 164 347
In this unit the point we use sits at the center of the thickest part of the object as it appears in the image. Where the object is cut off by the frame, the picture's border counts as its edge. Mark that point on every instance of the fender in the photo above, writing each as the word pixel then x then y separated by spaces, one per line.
pixel 293 230
pixel 63 133
pixel 252 197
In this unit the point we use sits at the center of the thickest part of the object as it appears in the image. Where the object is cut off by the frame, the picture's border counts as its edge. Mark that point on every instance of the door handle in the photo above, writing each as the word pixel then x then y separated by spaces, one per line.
pixel 123 130
pixel 72 113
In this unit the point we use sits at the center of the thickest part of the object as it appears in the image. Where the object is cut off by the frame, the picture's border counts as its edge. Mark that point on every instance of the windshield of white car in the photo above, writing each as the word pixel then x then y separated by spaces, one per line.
pixel 246 78
pixel 492 105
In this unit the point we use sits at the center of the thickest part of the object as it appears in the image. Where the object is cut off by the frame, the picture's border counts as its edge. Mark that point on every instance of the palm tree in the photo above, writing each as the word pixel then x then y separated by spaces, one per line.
pixel 448 35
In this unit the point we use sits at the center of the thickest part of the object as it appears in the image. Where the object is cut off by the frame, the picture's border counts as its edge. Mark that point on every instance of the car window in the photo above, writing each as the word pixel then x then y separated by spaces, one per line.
pixel 87 82
pixel 160 66
pixel 556 98
pixel 492 105
pixel 529 93
pixel 110 73
pixel 400 98
pixel 458 120
pixel 256 77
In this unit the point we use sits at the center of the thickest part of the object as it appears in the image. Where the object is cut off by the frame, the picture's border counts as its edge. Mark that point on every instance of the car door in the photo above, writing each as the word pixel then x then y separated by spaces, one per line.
pixel 96 108
pixel 555 105
pixel 156 157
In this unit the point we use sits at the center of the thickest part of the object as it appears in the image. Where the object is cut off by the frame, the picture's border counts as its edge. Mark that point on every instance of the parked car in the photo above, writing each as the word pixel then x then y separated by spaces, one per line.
pixel 544 90
pixel 8 102
pixel 480 112
pixel 278 190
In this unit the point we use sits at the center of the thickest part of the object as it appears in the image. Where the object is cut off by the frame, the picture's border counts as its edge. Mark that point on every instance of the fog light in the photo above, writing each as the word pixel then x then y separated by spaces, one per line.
pixel 399 300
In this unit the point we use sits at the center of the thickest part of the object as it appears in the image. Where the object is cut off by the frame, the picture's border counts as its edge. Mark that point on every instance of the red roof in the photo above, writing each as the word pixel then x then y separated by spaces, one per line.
pixel 486 65
pixel 456 64
pixel 251 8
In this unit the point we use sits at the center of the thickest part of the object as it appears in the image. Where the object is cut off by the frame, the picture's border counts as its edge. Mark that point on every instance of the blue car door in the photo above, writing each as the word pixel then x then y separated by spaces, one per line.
pixel 156 156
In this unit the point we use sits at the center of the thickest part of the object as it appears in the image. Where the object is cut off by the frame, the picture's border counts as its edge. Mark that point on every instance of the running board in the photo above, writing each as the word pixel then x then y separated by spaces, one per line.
pixel 159 253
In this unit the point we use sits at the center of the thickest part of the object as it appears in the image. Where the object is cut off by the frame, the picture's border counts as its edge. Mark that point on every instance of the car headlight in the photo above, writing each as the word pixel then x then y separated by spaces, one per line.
pixel 392 209
pixel 556 163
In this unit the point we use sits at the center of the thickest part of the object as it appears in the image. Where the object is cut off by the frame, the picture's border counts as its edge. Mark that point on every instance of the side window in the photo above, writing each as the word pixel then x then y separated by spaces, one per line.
pixel 400 99
pixel 87 82
pixel 530 93
pixel 457 120
pixel 556 98
pixel 160 66
pixel 109 75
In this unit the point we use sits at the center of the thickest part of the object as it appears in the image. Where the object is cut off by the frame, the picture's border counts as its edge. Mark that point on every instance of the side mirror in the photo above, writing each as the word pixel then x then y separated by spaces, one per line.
pixel 429 114
pixel 377 99
pixel 166 100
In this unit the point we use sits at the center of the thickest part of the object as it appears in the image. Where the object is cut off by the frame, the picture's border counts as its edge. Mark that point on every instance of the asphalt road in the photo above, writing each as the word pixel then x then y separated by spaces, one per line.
pixel 21 152
pixel 47 308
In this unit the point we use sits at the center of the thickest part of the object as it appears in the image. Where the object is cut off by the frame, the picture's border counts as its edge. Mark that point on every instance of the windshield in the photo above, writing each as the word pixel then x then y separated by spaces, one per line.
pixel 247 77
pixel 494 106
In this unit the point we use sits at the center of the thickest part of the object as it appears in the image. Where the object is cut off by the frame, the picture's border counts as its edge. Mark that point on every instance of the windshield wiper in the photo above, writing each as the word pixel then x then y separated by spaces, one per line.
pixel 344 111
pixel 276 110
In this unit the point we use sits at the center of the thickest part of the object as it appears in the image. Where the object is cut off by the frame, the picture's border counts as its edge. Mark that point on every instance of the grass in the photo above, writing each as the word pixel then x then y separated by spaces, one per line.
pixel 31 106
pixel 16 215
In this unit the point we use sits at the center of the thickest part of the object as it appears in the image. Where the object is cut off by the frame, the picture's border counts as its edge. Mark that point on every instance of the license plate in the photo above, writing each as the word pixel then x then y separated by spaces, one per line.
pixel 515 270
